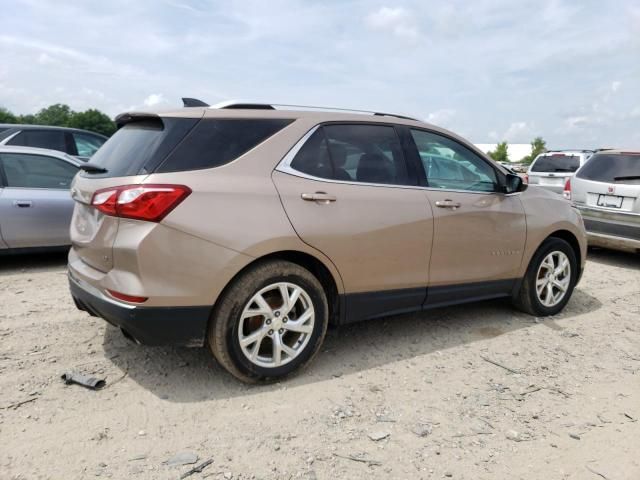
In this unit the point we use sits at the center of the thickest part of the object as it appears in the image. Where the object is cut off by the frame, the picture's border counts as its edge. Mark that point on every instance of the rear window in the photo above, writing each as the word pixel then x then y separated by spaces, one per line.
pixel 179 144
pixel 556 163
pixel 216 142
pixel 140 146
pixel 612 168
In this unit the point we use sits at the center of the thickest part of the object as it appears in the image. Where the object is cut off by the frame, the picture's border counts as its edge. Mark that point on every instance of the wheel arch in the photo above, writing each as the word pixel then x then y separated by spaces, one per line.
pixel 307 261
pixel 571 239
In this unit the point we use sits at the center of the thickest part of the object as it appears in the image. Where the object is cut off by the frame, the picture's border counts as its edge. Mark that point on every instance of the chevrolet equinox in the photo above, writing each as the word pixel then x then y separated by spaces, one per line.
pixel 250 228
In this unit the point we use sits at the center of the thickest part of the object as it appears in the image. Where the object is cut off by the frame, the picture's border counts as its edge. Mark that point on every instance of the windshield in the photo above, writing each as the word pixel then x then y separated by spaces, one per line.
pixel 612 168
pixel 556 163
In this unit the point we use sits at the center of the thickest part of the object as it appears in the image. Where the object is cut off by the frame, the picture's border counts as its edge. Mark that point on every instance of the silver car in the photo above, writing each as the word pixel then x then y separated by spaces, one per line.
pixel 607 192
pixel 35 202
pixel 551 170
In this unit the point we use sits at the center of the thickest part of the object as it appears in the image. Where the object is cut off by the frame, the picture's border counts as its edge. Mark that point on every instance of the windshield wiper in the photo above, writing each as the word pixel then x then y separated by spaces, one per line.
pixel 91 168
pixel 628 177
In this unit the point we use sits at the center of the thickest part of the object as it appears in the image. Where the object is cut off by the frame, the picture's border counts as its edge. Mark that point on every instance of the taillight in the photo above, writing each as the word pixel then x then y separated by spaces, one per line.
pixel 526 178
pixel 140 202
pixel 567 189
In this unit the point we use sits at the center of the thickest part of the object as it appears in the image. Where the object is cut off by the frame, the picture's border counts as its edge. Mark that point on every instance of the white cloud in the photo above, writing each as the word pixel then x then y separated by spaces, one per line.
pixel 615 85
pixel 518 132
pixel 154 100
pixel 395 20
pixel 441 117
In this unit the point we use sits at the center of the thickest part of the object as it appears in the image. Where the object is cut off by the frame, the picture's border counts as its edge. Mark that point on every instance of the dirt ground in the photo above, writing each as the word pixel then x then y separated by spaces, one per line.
pixel 405 397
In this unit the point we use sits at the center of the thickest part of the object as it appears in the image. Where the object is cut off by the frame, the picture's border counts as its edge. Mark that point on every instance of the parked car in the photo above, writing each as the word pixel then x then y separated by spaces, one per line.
pixel 550 170
pixel 35 202
pixel 76 142
pixel 607 192
pixel 250 229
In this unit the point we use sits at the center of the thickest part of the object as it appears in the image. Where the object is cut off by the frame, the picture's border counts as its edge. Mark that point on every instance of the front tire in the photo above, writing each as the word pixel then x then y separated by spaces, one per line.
pixel 550 279
pixel 270 322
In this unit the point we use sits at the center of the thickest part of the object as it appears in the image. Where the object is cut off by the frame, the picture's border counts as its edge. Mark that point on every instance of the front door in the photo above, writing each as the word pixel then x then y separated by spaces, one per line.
pixel 35 205
pixel 479 232
pixel 348 193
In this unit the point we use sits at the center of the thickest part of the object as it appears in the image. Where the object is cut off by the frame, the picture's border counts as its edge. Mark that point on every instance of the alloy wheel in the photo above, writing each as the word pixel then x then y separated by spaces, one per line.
pixel 553 278
pixel 276 325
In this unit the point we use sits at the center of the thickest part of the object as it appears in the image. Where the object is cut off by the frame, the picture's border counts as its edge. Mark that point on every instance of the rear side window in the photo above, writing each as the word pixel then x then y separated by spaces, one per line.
pixel 36 171
pixel 356 153
pixel 556 163
pixel 87 145
pixel 612 168
pixel 51 139
pixel 216 142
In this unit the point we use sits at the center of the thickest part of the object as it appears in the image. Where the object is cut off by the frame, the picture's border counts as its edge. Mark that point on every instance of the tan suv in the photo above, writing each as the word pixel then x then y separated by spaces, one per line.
pixel 251 228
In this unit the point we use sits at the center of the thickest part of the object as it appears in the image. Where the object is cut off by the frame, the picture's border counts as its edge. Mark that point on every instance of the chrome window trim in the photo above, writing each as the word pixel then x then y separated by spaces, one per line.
pixel 284 166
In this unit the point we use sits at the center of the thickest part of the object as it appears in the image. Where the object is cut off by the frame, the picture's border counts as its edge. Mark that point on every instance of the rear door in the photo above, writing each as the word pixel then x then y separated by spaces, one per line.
pixel 350 193
pixel 479 233
pixel 609 182
pixel 35 205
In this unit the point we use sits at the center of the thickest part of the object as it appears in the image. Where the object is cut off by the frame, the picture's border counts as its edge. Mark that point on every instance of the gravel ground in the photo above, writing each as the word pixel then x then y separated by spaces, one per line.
pixel 471 392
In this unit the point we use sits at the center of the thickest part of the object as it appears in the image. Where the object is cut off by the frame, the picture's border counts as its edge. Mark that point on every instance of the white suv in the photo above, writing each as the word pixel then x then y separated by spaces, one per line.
pixel 607 192
pixel 551 170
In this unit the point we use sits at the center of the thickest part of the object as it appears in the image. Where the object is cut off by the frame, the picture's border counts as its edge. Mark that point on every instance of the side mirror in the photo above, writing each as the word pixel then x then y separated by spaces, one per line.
pixel 514 183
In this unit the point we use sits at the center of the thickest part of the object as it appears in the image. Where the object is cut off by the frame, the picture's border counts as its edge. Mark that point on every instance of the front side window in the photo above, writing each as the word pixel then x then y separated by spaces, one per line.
pixel 87 145
pixel 51 139
pixel 354 153
pixel 452 166
pixel 36 171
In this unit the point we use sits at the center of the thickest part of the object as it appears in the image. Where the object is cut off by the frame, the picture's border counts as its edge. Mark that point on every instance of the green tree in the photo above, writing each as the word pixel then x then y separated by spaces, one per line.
pixel 538 146
pixel 58 115
pixel 501 153
pixel 29 119
pixel 7 117
pixel 93 120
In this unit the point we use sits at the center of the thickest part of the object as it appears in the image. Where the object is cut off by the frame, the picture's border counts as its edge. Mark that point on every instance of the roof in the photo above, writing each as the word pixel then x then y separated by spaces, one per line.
pixel 40 151
pixel 28 126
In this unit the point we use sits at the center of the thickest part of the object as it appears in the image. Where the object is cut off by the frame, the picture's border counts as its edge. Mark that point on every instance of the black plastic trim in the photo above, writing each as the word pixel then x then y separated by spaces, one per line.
pixel 613 229
pixel 369 305
pixel 442 296
pixel 154 326
pixel 355 307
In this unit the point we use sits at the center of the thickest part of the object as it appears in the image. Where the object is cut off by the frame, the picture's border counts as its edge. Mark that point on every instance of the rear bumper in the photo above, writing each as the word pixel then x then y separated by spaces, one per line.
pixel 616 230
pixel 559 189
pixel 177 326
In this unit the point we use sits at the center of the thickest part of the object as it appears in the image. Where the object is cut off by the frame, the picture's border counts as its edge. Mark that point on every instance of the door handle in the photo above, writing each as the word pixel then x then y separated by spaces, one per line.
pixel 22 203
pixel 318 197
pixel 447 204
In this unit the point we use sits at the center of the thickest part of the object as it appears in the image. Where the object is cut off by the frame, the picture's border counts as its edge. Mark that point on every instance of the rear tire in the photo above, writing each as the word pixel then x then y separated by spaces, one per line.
pixel 550 279
pixel 257 335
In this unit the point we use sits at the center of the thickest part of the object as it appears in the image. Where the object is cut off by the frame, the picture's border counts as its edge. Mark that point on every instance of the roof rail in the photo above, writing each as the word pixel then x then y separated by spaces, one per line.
pixel 234 104
pixel 585 150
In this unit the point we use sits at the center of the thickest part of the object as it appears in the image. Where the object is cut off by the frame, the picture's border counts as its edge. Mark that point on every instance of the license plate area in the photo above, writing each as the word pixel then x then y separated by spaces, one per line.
pixel 610 201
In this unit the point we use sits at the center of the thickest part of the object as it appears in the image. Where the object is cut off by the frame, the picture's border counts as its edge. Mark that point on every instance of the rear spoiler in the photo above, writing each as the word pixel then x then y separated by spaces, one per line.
pixel 130 117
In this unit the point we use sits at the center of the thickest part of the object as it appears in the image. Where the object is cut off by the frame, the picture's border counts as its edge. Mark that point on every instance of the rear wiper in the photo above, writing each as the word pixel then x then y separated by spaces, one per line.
pixel 628 177
pixel 91 168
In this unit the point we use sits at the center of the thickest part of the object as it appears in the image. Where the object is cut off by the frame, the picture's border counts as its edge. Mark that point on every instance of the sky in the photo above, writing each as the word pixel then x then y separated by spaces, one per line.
pixel 489 70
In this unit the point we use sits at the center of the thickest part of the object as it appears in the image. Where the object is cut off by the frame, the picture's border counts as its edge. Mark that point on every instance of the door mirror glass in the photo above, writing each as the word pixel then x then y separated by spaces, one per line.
pixel 514 183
